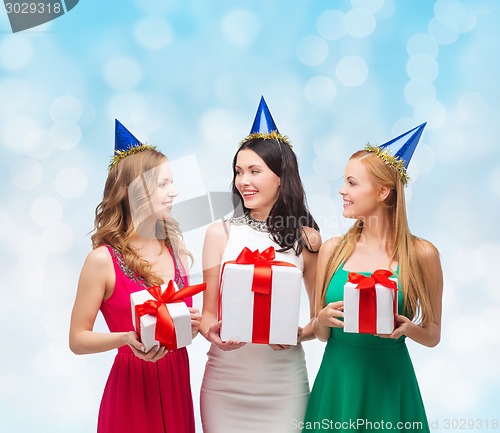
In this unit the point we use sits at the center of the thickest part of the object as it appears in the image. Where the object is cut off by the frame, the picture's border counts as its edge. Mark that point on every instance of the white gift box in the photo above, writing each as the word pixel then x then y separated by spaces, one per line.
pixel 386 308
pixel 177 310
pixel 237 303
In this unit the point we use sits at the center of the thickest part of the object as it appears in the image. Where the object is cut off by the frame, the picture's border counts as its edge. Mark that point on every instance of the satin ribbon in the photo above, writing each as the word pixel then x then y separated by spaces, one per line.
pixel 165 329
pixel 368 297
pixel 261 287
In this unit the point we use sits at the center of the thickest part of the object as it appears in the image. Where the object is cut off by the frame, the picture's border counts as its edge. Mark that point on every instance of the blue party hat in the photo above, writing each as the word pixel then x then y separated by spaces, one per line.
pixel 398 151
pixel 263 126
pixel 263 121
pixel 124 139
pixel 126 144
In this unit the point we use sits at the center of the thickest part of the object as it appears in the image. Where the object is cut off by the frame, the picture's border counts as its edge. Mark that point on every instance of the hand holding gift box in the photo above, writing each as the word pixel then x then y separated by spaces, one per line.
pixel 370 303
pixel 161 317
pixel 259 299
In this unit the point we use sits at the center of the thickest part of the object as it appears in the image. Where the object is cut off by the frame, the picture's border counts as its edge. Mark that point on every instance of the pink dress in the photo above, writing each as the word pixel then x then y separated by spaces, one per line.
pixel 140 396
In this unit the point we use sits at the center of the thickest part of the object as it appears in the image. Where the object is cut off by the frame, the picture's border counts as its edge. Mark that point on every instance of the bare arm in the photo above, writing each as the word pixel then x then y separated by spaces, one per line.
pixel 313 240
pixel 326 317
pixel 97 280
pixel 430 334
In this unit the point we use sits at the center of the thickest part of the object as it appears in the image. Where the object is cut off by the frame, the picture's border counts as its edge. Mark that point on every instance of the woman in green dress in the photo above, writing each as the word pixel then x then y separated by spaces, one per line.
pixel 366 382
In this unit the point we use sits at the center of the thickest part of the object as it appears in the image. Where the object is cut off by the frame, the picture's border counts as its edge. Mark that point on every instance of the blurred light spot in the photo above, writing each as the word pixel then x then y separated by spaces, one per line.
pixel 27 174
pixel 481 7
pixel 432 111
pixel 58 238
pixel 320 91
pixel 46 211
pixel 312 50
pixel 441 33
pixel 371 5
pixel 66 108
pixel 71 182
pixel 16 52
pixel 422 43
pixel 65 135
pixel 153 32
pixel 415 91
pixel 387 11
pixel 359 23
pixel 150 118
pixel 472 108
pixel 330 24
pixel 122 105
pixel 122 73
pixel 37 143
pixel 15 129
pixel 352 71
pixel 455 15
pixel 422 67
pixel 240 26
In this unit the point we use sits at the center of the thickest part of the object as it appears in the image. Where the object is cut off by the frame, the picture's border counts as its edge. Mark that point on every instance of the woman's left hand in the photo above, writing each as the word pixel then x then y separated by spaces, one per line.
pixel 402 326
pixel 195 320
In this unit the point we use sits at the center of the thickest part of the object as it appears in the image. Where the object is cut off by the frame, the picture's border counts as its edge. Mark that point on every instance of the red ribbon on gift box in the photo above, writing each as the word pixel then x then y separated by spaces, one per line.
pixel 368 297
pixel 165 329
pixel 261 287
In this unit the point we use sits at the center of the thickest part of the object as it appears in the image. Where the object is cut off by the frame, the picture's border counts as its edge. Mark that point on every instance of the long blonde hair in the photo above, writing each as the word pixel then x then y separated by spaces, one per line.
pixel 115 223
pixel 402 246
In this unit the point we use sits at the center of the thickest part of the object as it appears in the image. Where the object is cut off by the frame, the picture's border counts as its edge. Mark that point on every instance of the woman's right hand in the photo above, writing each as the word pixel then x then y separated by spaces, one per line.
pixel 328 316
pixel 213 335
pixel 154 354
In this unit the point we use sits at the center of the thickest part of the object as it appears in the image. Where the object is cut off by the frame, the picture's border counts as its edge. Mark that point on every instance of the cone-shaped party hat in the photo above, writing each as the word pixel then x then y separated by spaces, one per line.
pixel 398 151
pixel 264 127
pixel 126 144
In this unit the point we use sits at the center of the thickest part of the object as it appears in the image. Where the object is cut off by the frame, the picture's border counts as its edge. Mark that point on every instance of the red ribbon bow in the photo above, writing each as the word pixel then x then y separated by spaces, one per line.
pixel 262 288
pixel 165 329
pixel 368 297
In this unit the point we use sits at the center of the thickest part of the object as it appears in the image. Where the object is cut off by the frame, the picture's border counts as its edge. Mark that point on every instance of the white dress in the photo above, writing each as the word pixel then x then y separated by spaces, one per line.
pixel 254 388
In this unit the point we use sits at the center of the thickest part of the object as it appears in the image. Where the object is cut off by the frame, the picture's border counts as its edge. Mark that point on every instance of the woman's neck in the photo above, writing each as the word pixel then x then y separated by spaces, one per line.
pixel 376 230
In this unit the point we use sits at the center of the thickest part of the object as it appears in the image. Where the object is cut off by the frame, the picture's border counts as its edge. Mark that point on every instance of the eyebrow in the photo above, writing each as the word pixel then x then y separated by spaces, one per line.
pixel 250 166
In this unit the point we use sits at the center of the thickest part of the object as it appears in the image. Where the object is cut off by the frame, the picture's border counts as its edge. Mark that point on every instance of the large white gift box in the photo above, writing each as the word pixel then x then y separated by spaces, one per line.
pixel 178 311
pixel 238 309
pixel 370 310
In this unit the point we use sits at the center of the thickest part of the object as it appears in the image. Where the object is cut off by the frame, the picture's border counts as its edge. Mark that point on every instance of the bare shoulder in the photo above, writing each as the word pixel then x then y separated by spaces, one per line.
pixel 99 258
pixel 329 245
pixel 217 231
pixel 312 239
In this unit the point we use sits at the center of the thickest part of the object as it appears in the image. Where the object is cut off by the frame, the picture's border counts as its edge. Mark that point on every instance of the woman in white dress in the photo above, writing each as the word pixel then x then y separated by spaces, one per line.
pixel 257 387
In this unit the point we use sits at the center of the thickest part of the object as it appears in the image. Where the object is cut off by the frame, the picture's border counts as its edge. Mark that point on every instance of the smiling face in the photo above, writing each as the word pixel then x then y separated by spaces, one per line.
pixel 165 191
pixel 361 195
pixel 257 184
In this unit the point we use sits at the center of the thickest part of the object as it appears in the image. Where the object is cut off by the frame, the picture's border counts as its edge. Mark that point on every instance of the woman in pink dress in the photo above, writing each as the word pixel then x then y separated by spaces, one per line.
pixel 136 244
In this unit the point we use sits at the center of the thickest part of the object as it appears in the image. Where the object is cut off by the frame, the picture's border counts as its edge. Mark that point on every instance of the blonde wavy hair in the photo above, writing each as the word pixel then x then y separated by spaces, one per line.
pixel 402 246
pixel 126 203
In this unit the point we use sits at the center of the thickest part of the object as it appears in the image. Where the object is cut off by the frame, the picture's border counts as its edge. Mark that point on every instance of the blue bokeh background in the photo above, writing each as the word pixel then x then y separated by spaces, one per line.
pixel 187 75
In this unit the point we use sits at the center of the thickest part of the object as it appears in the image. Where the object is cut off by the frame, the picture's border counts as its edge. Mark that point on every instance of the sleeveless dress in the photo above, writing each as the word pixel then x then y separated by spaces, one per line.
pixel 141 396
pixel 253 388
pixel 364 379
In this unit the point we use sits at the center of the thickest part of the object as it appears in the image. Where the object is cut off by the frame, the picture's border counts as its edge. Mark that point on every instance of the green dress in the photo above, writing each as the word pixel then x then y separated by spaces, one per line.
pixel 365 383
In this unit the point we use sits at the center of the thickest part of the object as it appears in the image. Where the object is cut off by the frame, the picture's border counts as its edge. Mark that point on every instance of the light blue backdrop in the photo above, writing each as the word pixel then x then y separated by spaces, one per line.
pixel 186 75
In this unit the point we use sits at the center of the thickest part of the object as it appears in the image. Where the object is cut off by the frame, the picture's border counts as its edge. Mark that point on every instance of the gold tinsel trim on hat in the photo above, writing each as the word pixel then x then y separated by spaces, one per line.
pixel 273 135
pixel 389 159
pixel 122 154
